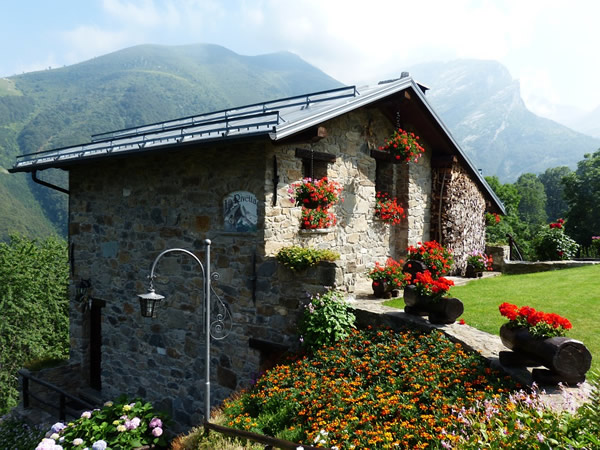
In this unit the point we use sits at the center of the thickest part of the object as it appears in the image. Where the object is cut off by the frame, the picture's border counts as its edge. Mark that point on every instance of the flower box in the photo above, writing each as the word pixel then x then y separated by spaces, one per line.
pixel 568 360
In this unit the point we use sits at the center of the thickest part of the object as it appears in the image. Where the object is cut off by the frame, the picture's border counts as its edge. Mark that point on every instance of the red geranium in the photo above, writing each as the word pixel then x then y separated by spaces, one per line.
pixel 317 218
pixel 311 192
pixel 429 286
pixel 437 258
pixel 390 273
pixel 388 209
pixel 404 145
pixel 539 323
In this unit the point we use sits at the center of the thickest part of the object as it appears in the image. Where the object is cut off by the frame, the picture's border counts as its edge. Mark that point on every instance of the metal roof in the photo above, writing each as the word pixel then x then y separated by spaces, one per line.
pixel 276 119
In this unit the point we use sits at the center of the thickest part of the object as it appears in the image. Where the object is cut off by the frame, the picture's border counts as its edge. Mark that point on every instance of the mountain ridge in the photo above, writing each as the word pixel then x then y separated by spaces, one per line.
pixel 127 88
pixel 482 106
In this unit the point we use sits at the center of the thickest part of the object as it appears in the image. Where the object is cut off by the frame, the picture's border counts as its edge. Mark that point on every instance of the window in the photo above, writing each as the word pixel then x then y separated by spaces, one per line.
pixel 314 164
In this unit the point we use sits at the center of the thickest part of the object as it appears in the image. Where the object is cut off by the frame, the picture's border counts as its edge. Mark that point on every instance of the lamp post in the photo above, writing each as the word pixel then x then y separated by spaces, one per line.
pixel 151 299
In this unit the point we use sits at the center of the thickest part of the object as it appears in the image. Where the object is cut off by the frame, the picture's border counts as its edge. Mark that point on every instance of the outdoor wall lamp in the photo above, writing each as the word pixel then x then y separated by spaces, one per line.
pixel 150 300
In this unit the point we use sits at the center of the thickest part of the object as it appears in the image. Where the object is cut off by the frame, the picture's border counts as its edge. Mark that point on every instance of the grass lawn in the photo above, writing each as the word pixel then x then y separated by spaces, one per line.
pixel 571 293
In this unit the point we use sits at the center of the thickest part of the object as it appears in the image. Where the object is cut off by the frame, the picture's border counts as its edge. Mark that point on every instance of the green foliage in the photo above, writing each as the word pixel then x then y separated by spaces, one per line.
pixel 556 205
pixel 511 223
pixel 585 428
pixel 299 258
pixel 553 244
pixel 326 319
pixel 122 424
pixel 33 306
pixel 582 191
pixel 532 205
pixel 17 434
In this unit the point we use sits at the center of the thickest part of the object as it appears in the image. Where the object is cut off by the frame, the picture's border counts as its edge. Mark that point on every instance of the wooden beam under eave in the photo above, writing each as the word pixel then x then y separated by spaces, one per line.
pixel 310 136
pixel 443 161
pixel 315 156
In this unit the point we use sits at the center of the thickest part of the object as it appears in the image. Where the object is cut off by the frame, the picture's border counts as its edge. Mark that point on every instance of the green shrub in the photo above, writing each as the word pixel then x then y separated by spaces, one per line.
pixel 553 244
pixel 17 434
pixel 326 319
pixel 300 258
pixel 34 308
pixel 122 424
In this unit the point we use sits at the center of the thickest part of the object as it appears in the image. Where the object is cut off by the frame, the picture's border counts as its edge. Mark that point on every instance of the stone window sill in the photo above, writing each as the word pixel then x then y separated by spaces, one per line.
pixel 312 231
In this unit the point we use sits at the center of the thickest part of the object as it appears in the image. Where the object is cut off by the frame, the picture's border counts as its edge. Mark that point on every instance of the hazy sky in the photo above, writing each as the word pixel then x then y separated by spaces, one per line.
pixel 551 46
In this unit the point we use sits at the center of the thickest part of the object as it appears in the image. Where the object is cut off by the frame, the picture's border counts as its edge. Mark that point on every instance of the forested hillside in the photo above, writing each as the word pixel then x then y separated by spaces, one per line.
pixel 138 85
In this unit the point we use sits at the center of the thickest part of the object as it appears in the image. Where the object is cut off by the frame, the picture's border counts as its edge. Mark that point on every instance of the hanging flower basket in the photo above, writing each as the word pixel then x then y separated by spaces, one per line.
pixel 403 146
pixel 317 218
pixel 313 193
pixel 388 209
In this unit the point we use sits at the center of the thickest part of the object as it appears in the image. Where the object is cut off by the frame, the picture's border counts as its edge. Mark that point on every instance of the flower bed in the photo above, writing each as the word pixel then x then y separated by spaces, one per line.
pixel 375 389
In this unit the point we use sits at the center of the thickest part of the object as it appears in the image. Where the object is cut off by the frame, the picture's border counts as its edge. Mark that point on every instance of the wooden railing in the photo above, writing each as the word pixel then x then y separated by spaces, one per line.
pixel 63 396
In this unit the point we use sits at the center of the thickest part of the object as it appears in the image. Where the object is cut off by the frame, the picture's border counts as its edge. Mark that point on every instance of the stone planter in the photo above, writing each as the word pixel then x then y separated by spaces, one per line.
pixel 568 360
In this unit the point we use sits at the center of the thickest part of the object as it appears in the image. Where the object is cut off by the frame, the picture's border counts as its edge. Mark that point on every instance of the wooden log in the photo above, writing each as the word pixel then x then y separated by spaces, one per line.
pixel 517 359
pixel 446 310
pixel 568 358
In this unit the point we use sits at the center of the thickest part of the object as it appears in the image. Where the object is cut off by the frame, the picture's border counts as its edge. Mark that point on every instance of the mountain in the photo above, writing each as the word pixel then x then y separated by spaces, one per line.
pixel 481 104
pixel 134 86
pixel 587 123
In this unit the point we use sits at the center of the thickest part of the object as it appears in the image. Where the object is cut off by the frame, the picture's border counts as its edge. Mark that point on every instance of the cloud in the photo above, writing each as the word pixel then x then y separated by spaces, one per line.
pixel 85 42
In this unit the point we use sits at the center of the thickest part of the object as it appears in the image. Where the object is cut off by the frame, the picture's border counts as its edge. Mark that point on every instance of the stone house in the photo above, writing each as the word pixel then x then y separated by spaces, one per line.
pixel 225 176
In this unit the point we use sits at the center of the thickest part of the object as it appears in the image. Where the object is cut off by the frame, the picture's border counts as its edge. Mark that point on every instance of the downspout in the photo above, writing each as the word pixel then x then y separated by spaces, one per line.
pixel 48 185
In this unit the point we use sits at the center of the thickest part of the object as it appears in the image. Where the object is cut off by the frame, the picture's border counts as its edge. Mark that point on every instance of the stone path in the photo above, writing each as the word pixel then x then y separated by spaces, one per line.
pixel 369 309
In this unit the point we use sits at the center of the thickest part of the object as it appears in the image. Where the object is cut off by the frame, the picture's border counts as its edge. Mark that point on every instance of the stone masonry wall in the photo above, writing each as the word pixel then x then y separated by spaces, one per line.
pixel 122 215
pixel 359 237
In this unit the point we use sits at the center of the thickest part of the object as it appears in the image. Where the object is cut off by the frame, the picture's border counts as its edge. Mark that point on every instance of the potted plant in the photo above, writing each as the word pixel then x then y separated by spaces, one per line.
pixel 434 256
pixel 388 209
pixel 317 218
pixel 313 193
pixel 538 338
pixel 403 146
pixel 477 263
pixel 316 197
pixel 426 296
pixel 386 277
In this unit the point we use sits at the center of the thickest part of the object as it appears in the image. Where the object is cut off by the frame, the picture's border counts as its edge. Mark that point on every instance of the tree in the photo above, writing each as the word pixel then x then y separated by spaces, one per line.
pixel 582 191
pixel 532 206
pixel 556 205
pixel 511 224
pixel 34 308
